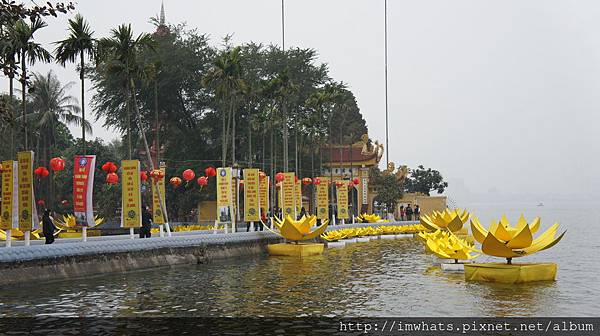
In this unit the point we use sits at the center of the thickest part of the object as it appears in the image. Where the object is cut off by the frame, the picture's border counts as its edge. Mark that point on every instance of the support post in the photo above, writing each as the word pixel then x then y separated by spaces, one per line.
pixel 333 219
pixel 131 233
pixel 84 233
pixel 161 231
pixel 27 240
pixel 215 227
pixel 343 221
pixel 168 229
pixel 252 228
pixel 8 238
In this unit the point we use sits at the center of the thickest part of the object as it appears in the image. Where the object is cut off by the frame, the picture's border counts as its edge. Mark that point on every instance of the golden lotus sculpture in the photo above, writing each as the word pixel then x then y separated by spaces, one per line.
pixel 451 220
pixel 297 230
pixel 445 245
pixel 506 241
pixel 369 218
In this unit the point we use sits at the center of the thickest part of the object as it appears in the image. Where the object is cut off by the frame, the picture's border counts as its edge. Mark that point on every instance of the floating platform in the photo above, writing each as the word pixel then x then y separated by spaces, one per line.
pixel 362 239
pixel 387 237
pixel 513 274
pixel 405 235
pixel 455 267
pixel 335 244
pixel 349 240
pixel 295 250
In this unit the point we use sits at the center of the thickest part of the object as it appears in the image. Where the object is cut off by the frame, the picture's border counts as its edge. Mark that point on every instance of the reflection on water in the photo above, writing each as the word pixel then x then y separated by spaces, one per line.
pixel 378 278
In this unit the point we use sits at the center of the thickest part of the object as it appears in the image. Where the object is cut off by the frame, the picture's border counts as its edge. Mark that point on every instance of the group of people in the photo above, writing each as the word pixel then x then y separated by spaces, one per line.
pixel 409 213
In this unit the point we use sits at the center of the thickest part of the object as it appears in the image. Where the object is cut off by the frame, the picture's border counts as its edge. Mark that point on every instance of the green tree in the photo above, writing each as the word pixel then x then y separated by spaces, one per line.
pixel 80 44
pixel 29 52
pixel 389 190
pixel 425 181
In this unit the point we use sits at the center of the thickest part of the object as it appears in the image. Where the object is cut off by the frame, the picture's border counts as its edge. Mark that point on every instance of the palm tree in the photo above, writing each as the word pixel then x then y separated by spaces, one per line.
pixel 120 53
pixel 226 78
pixel 8 55
pixel 29 52
pixel 78 44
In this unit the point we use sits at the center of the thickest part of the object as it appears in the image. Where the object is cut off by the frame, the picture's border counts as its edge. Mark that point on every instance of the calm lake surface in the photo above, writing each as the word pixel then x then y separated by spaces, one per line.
pixel 378 278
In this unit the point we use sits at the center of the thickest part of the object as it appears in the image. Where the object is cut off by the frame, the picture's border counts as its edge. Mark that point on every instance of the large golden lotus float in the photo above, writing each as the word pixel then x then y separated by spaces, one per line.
pixel 453 251
pixel 68 228
pixel 506 241
pixel 297 231
pixel 447 220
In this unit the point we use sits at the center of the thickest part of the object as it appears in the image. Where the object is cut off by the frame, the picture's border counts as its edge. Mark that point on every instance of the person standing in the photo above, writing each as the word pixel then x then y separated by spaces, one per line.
pixel 417 212
pixel 146 223
pixel 409 213
pixel 48 227
pixel 401 212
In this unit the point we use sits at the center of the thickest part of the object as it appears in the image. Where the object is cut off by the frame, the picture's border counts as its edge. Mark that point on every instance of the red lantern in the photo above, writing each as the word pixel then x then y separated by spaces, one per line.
pixel 188 175
pixel 157 175
pixel 57 164
pixel 262 175
pixel 109 167
pixel 350 184
pixel 202 181
pixel 64 202
pixel 295 179
pixel 306 181
pixel 316 181
pixel 210 172
pixel 175 181
pixel 143 176
pixel 356 181
pixel 41 203
pixel 41 172
pixel 339 183
pixel 112 178
pixel 279 177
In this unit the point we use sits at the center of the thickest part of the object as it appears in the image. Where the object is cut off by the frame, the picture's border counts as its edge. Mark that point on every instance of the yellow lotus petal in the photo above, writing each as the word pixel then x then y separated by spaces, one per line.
pixel 522 239
pixel 479 233
pixel 455 224
pixel 290 231
pixel 545 246
pixel 503 233
pixel 521 222
pixel 535 225
pixel 318 231
pixel 504 221
pixel 429 225
pixel 545 237
pixel 492 246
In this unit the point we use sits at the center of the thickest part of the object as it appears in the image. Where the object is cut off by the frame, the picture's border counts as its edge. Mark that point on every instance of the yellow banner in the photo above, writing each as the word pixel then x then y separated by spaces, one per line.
pixel 224 195
pixel 158 217
pixel 323 199
pixel 288 199
pixel 131 200
pixel 342 200
pixel 251 199
pixel 27 210
pixel 9 202
pixel 264 194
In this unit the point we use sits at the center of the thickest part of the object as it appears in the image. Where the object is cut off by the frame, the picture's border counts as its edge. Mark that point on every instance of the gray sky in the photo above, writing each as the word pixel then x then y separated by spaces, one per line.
pixel 501 95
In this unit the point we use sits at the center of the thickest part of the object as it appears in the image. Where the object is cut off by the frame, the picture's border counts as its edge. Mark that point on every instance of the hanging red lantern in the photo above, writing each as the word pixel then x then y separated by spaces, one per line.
pixel 157 175
pixel 188 175
pixel 64 202
pixel 143 176
pixel 41 203
pixel 57 164
pixel 109 167
pixel 356 181
pixel 112 178
pixel 210 171
pixel 306 181
pixel 41 172
pixel 279 177
pixel 175 181
pixel 202 181
pixel 350 184
pixel 262 175
pixel 316 181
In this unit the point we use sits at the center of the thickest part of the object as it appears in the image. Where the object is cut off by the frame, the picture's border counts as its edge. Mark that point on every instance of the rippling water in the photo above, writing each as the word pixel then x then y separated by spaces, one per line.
pixel 378 278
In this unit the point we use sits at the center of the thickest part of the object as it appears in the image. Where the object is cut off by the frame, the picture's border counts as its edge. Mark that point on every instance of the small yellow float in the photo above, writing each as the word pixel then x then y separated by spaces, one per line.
pixel 296 231
pixel 506 241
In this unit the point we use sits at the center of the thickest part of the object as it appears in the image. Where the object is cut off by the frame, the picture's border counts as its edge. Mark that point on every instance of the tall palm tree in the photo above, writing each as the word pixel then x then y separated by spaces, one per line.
pixel 120 53
pixel 8 55
pixel 79 44
pixel 29 52
pixel 225 77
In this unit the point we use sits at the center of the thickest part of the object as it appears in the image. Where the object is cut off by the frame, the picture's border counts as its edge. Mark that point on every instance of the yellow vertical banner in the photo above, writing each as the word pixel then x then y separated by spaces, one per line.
pixel 298 196
pixel 224 195
pixel 158 217
pixel 251 199
pixel 131 199
pixel 28 219
pixel 323 199
pixel 342 200
pixel 9 218
pixel 288 199
pixel 264 194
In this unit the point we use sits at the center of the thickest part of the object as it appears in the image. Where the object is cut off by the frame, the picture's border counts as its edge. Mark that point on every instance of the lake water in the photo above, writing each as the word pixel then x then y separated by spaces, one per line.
pixel 378 278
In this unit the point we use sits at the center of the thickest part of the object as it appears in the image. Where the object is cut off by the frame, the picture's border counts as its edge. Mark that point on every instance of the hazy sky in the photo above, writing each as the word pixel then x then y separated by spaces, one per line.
pixel 499 94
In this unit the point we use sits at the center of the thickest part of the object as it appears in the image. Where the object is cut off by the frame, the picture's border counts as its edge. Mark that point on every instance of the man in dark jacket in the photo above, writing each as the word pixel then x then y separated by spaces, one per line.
pixel 146 223
pixel 48 227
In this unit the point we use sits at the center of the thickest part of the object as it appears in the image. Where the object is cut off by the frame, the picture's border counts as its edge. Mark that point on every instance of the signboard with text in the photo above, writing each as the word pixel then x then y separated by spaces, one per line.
pixel 9 213
pixel 323 199
pixel 28 218
pixel 288 195
pixel 83 188
pixel 251 199
pixel 131 199
pixel 158 216
pixel 342 200
pixel 224 195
